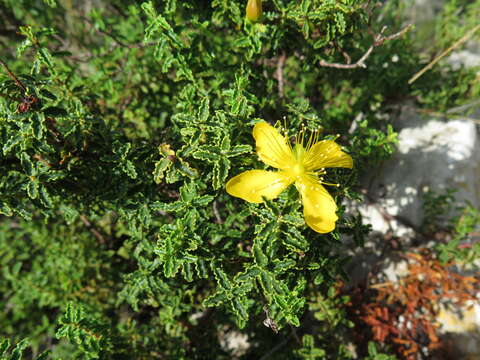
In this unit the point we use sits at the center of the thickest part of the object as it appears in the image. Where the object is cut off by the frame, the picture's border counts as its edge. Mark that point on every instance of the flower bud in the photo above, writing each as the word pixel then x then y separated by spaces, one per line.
pixel 254 10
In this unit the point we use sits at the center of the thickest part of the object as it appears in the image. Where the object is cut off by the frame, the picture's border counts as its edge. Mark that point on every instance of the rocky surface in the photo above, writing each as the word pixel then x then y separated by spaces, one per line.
pixel 436 154
pixel 433 154
pixel 467 58
pixel 461 331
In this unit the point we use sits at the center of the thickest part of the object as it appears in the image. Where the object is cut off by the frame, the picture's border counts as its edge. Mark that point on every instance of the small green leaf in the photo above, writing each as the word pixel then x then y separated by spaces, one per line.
pixel 45 57
pixel 129 169
pixel 18 351
pixel 372 349
pixel 239 150
pixel 240 307
pixel 220 173
pixel 70 214
pixel 47 94
pixel 5 209
pixel 204 200
pixel 260 258
pixel 45 197
pixel 160 168
pixel 4 345
pixel 54 111
pixel 168 207
pixel 204 110
pixel 188 192
pixel 11 143
pixel 215 299
pixel 32 188
pixel 222 278
pixel 27 165
pixel 37 125
pixel 206 156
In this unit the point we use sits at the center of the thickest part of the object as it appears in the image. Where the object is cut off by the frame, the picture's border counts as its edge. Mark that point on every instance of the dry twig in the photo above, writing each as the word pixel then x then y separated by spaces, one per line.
pixel 379 39
pixel 218 218
pixel 456 44
pixel 453 113
pixel 12 75
pixel 94 231
pixel 279 73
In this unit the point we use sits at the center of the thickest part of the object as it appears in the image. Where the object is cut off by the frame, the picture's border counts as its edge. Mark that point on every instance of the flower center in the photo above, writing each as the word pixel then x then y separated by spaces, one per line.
pixel 298 170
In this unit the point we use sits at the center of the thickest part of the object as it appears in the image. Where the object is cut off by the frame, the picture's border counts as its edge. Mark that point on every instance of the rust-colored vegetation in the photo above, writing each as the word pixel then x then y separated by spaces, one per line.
pixel 402 315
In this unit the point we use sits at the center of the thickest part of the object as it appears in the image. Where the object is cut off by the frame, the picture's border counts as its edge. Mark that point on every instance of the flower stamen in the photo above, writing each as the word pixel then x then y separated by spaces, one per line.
pixel 302 164
pixel 329 184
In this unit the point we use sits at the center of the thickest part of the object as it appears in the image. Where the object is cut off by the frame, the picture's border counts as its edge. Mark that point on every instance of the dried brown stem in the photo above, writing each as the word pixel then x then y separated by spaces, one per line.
pixel 456 44
pixel 218 218
pixel 379 39
pixel 12 75
pixel 94 231
pixel 279 73
pixel 347 57
pixel 447 114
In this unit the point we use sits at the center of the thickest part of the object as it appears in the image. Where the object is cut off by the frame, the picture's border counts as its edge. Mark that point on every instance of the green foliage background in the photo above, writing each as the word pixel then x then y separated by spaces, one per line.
pixel 118 240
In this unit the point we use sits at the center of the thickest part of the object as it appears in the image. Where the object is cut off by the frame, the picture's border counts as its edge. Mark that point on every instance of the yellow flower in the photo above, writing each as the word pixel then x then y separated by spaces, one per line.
pixel 303 165
pixel 253 11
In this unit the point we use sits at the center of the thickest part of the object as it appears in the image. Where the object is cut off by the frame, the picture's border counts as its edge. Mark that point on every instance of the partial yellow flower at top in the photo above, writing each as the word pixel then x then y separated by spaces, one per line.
pixel 303 165
pixel 253 11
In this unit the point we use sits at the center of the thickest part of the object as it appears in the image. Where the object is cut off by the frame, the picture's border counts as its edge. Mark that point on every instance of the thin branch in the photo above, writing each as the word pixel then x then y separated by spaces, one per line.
pixel 464 107
pixel 117 43
pixel 279 73
pixel 379 39
pixel 12 75
pixel 456 44
pixel 94 231
pixel 103 32
pixel 86 57
pixel 449 114
pixel 347 57
pixel 218 218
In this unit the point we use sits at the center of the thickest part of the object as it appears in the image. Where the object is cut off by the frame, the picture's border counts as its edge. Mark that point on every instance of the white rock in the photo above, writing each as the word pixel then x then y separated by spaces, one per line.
pixel 432 154
pixel 421 11
pixel 235 342
pixel 394 271
pixel 465 58
pixel 466 319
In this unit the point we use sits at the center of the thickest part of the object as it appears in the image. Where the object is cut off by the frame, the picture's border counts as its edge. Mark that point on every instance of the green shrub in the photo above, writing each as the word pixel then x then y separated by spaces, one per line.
pixel 118 239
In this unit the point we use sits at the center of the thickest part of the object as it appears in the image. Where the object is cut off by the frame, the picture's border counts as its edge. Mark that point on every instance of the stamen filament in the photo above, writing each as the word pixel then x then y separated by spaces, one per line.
pixel 329 184
pixel 277 148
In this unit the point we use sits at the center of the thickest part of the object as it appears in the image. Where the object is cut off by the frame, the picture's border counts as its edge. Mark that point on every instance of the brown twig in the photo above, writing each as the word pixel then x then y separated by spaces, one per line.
pixel 347 57
pixel 279 73
pixel 94 231
pixel 379 39
pixel 42 160
pixel 456 44
pixel 448 114
pixel 12 75
pixel 117 43
pixel 218 218
pixel 104 32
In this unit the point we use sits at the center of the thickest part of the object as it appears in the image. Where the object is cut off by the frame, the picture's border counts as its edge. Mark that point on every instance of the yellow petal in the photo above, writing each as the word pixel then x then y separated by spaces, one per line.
pixel 318 206
pixel 326 154
pixel 272 147
pixel 253 10
pixel 253 184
